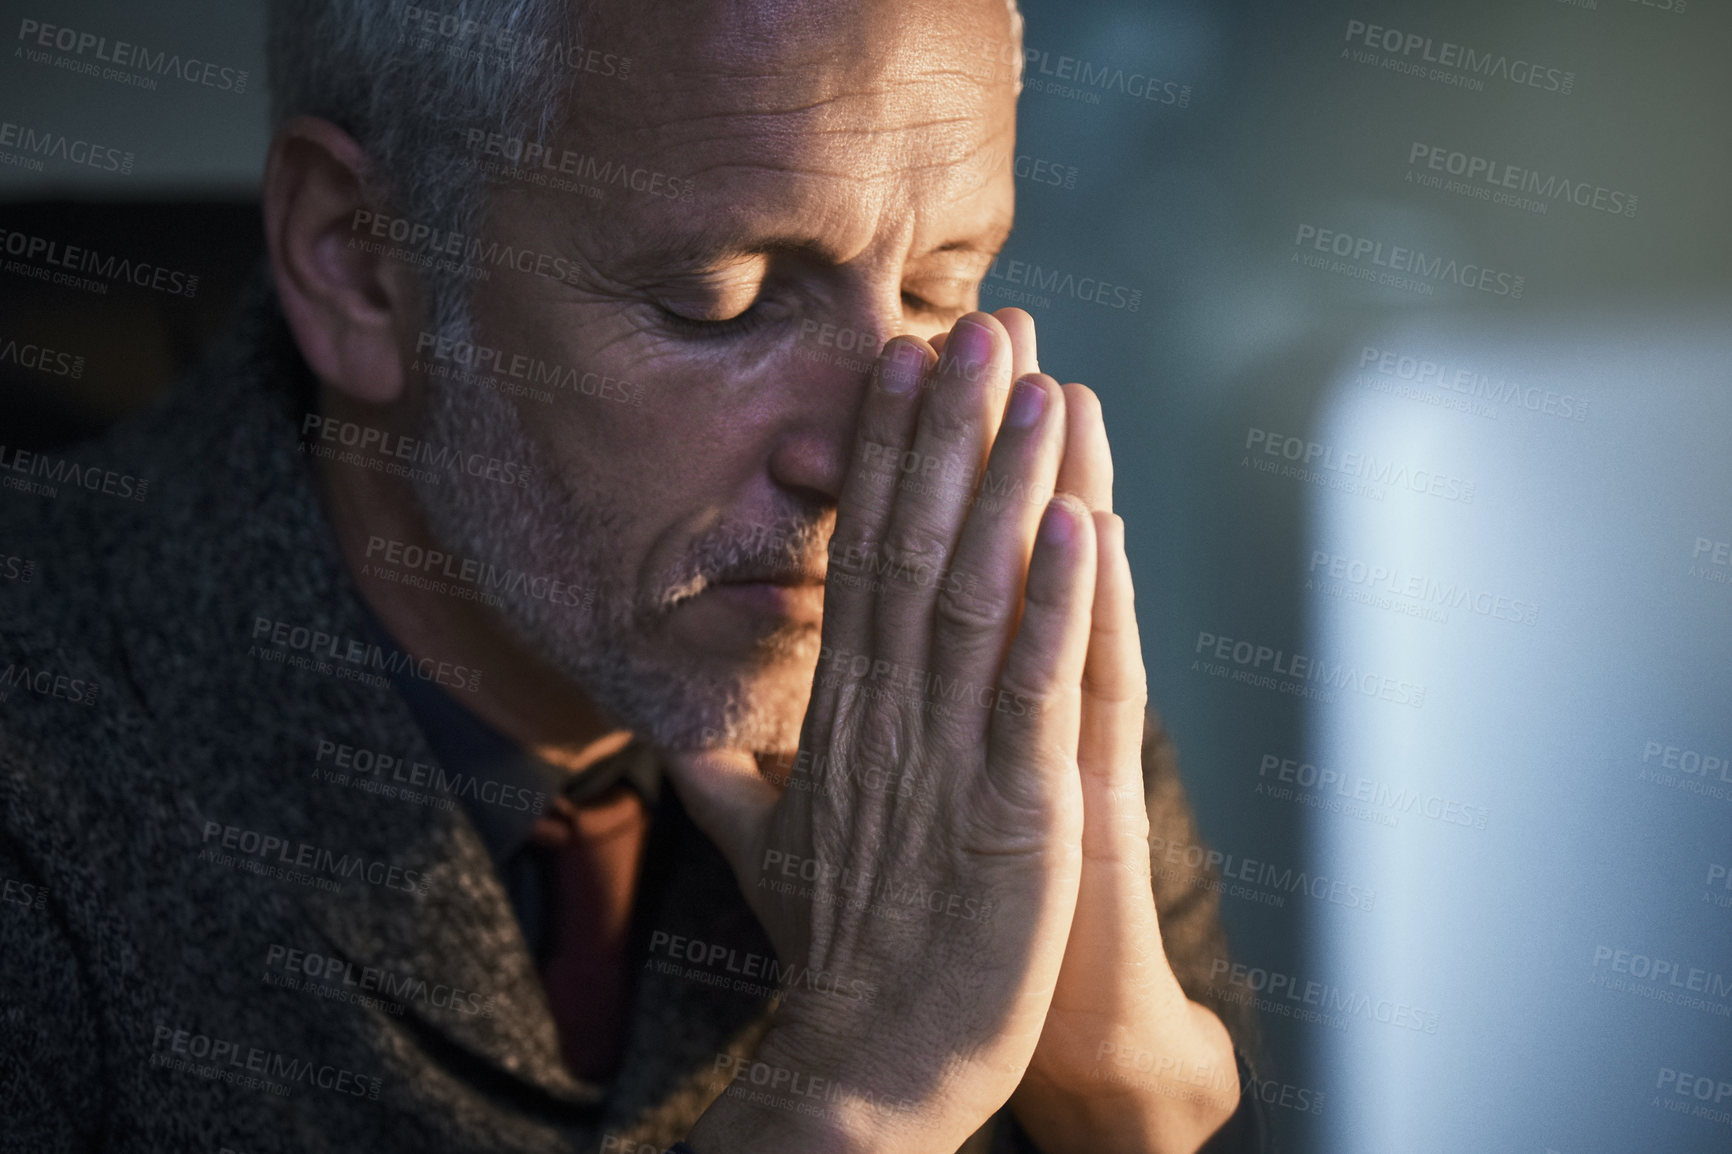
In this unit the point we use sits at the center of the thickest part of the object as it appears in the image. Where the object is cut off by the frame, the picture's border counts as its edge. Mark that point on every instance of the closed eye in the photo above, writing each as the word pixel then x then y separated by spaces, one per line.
pixel 705 328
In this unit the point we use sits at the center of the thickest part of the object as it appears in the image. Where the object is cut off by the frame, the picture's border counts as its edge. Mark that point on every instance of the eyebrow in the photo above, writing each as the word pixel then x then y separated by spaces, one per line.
pixel 689 254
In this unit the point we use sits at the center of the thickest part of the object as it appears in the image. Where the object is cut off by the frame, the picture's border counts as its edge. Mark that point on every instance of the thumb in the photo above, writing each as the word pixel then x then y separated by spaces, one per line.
pixel 728 799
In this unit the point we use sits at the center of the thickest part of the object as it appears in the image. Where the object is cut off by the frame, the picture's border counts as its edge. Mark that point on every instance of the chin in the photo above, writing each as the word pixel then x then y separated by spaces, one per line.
pixel 753 699
pixel 763 707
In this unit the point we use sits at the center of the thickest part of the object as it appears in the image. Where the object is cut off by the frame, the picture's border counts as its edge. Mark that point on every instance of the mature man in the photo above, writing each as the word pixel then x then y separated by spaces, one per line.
pixel 549 698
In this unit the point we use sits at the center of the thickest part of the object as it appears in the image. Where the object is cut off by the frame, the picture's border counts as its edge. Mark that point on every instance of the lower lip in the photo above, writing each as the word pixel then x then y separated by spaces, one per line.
pixel 772 600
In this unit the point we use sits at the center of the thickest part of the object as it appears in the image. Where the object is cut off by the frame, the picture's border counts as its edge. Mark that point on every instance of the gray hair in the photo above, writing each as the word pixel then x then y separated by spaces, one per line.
pixel 409 97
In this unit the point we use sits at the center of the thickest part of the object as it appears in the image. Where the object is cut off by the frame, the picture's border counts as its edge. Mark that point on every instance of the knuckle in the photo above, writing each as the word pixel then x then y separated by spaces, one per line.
pixel 850 546
pixel 911 548
pixel 968 608
pixel 1048 600
pixel 876 458
pixel 948 420
pixel 879 738
pixel 1116 689
pixel 1033 693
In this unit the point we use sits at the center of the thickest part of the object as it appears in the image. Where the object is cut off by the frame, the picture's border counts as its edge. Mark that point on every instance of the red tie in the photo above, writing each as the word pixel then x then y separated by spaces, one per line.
pixel 595 848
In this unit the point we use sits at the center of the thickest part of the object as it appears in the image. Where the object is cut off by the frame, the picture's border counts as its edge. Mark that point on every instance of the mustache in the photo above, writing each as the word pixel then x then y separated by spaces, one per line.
pixel 733 551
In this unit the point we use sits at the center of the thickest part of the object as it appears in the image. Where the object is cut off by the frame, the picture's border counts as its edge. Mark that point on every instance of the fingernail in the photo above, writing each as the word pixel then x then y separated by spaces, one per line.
pixel 969 347
pixel 1057 526
pixel 901 371
pixel 1027 402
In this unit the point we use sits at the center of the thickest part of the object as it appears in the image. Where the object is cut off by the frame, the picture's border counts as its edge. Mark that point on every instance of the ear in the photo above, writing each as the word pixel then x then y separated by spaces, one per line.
pixel 349 305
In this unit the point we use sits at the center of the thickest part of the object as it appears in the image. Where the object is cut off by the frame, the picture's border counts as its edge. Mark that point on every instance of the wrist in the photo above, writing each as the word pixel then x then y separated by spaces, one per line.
pixel 1167 1097
pixel 794 1096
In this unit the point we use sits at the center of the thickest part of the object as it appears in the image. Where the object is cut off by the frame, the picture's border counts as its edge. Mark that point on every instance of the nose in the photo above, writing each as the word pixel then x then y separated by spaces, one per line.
pixel 829 367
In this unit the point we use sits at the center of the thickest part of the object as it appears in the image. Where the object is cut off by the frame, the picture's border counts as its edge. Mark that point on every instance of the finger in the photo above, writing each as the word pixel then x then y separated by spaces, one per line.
pixel 881 442
pixel 1116 928
pixel 1020 326
pixel 1033 737
pixel 978 608
pixel 1088 459
pixel 959 417
pixel 1115 699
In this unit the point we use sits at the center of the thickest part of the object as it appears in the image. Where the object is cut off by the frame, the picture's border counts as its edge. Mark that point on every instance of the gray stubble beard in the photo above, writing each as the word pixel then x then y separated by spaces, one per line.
pixel 558 527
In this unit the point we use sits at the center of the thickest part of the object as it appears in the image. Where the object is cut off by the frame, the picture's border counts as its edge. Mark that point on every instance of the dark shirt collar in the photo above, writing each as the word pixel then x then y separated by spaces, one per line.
pixel 503 787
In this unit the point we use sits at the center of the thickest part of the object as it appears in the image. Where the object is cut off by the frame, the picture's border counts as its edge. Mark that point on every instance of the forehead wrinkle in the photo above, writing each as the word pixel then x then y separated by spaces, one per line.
pixel 755 123
pixel 837 152
pixel 925 104
pixel 718 240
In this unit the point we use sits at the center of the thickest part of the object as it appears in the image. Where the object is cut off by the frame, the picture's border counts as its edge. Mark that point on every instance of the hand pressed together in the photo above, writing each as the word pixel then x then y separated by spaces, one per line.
pixel 965 828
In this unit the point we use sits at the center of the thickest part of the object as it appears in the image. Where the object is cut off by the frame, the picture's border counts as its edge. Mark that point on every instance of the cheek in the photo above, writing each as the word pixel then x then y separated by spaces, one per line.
pixel 660 433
